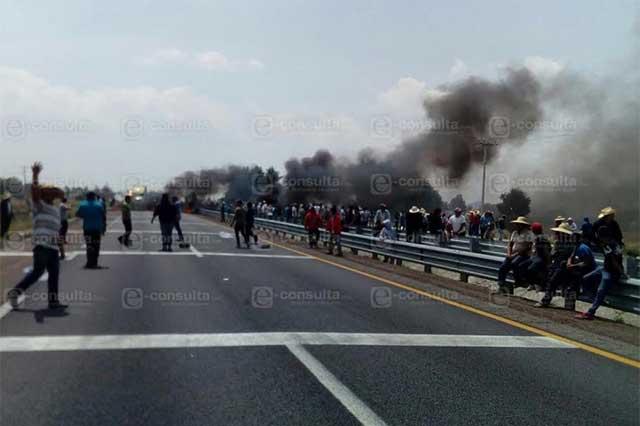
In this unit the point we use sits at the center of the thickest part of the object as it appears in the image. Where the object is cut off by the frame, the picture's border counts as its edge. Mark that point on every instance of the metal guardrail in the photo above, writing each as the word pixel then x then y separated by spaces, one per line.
pixel 625 296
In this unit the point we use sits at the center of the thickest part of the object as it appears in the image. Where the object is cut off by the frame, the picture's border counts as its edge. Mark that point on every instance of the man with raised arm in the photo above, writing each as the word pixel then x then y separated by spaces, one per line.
pixel 45 238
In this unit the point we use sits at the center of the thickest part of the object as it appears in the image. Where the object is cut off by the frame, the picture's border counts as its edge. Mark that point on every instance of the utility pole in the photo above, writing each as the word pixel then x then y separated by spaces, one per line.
pixel 485 144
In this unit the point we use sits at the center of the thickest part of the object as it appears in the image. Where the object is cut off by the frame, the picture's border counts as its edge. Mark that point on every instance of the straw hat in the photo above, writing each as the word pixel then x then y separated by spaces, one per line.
pixel 606 212
pixel 414 209
pixel 5 196
pixel 564 228
pixel 559 219
pixel 423 210
pixel 521 220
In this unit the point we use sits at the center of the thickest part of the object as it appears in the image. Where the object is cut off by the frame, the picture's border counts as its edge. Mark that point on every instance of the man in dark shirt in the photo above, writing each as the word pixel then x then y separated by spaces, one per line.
pixel 239 223
pixel 607 217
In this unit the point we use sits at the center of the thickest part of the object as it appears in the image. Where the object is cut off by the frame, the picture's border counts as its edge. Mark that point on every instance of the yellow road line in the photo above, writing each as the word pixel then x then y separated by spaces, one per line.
pixel 609 355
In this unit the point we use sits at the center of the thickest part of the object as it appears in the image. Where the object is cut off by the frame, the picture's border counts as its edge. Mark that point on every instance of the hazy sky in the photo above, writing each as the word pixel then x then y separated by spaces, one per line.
pixel 138 91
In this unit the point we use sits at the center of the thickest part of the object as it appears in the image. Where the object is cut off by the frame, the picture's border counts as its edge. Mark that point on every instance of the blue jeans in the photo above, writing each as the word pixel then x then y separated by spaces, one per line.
pixel 608 280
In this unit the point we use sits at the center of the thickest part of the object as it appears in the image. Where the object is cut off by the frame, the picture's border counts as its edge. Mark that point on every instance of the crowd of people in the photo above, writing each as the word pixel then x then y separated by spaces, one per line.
pixel 51 224
pixel 564 260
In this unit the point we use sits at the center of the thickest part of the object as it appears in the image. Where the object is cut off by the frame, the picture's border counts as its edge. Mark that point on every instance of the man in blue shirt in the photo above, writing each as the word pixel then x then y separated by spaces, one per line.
pixel 91 211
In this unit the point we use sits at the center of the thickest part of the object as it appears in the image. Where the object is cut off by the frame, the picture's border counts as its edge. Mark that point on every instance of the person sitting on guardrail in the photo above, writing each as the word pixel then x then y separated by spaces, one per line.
pixel 518 251
pixel 334 227
pixel 534 270
pixel 312 223
pixel 457 223
pixel 611 272
pixel 607 217
pixel 571 260
pixel 413 225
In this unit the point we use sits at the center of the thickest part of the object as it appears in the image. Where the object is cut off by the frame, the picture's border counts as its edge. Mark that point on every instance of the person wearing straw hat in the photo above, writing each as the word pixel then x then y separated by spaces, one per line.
pixel 414 224
pixel 45 238
pixel 564 268
pixel 558 220
pixel 607 217
pixel 518 251
pixel 6 215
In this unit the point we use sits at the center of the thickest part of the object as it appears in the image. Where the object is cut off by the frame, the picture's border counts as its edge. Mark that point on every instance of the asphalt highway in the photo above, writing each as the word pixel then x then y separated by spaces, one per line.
pixel 215 335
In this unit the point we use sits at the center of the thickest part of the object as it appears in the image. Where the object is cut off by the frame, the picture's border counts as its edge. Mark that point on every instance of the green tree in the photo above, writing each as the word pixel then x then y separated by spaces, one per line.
pixel 514 203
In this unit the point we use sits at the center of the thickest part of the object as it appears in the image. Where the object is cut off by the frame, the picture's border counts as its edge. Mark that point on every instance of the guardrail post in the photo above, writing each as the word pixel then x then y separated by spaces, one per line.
pixel 464 277
pixel 427 269
pixel 474 244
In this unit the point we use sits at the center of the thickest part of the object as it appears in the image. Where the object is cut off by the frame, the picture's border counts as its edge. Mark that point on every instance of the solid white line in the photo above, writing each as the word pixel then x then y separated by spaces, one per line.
pixel 6 308
pixel 351 402
pixel 150 341
pixel 195 251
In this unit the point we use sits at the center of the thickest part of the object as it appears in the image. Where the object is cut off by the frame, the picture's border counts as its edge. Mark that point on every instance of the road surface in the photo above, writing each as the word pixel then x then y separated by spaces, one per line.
pixel 215 335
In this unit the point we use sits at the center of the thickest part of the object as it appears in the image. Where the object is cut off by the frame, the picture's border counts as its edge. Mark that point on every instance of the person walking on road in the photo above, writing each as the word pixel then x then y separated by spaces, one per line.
pixel 239 224
pixel 334 226
pixel 167 214
pixel 312 221
pixel 124 239
pixel 64 226
pixel 178 204
pixel 91 211
pixel 251 214
pixel 45 235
